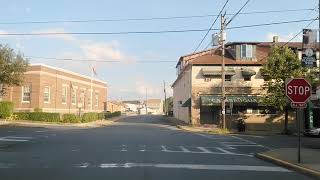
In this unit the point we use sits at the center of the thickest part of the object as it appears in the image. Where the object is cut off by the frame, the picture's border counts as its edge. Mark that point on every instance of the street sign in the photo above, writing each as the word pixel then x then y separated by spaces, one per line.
pixel 309 58
pixel 298 91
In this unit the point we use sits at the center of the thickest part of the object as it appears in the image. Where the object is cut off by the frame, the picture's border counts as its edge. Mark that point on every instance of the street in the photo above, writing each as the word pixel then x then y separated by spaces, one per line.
pixel 135 147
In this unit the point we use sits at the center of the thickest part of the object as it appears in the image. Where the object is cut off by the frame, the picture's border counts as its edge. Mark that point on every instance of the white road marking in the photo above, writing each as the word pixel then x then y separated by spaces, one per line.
pixel 246 145
pixel 204 150
pixel 41 131
pixel 236 137
pixel 143 148
pixel 231 142
pixel 123 149
pixel 214 138
pixel 223 150
pixel 83 165
pixel 18 137
pixel 196 166
pixel 13 140
pixel 184 149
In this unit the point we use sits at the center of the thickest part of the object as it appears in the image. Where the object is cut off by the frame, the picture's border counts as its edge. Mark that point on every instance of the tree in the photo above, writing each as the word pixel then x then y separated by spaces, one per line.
pixel 12 68
pixel 282 63
pixel 168 105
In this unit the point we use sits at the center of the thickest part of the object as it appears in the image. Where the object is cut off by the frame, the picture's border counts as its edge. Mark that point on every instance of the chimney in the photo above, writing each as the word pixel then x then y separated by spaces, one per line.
pixel 275 39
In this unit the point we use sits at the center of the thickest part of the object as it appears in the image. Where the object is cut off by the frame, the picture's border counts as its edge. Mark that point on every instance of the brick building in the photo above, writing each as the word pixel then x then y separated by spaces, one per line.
pixel 57 90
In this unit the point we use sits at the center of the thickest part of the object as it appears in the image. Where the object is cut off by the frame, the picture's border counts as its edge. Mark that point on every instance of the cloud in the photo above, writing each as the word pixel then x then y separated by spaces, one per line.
pixel 283 37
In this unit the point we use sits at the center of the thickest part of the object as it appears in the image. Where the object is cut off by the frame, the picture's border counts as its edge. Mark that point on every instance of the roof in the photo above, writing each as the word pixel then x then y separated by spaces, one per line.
pixel 68 72
pixel 213 56
pixel 131 102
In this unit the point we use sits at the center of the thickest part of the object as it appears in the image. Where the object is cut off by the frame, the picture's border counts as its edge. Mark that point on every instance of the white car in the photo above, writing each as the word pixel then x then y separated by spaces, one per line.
pixel 312 132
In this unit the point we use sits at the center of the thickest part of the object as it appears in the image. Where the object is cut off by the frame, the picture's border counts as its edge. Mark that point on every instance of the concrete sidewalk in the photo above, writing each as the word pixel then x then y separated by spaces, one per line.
pixel 94 124
pixel 287 157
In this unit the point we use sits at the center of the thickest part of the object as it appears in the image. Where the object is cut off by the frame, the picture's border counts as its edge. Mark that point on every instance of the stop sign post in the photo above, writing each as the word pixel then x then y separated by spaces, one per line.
pixel 298 91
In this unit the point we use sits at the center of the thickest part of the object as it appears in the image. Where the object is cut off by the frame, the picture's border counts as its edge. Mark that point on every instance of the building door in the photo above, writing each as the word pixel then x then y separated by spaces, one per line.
pixel 209 115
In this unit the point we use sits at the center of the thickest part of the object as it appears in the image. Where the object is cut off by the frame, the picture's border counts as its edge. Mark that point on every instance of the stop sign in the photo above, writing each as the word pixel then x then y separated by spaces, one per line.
pixel 298 90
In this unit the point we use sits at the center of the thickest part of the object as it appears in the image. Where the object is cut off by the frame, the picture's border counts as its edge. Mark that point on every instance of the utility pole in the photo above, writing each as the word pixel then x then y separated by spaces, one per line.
pixel 146 101
pixel 223 73
pixel 165 98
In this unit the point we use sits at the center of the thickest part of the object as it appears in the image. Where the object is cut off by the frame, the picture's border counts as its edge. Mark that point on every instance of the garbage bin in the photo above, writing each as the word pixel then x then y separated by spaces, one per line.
pixel 241 125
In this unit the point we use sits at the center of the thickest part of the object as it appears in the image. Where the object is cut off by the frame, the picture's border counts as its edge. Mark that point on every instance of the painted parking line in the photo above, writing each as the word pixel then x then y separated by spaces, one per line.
pixel 186 166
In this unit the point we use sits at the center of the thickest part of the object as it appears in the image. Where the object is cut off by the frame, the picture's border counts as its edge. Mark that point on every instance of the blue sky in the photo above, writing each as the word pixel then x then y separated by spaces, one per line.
pixel 128 79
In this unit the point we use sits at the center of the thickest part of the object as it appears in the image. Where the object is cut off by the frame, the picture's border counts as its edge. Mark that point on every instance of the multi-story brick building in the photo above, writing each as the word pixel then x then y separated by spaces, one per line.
pixel 197 89
pixel 57 90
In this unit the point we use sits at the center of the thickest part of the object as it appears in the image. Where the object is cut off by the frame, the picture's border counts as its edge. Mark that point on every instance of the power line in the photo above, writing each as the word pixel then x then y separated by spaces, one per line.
pixel 204 37
pixel 150 19
pixel 234 16
pixel 149 32
pixel 97 60
pixel 291 38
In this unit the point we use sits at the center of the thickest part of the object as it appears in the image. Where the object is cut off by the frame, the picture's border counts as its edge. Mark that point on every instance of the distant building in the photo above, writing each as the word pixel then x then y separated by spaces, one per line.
pixel 114 106
pixel 132 106
pixel 154 106
pixel 57 90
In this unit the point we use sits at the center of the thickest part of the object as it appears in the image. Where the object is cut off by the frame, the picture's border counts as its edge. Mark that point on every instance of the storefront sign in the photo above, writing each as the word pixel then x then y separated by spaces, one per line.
pixel 210 100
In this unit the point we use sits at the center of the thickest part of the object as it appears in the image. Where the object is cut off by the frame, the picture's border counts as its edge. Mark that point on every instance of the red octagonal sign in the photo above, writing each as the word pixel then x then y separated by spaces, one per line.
pixel 298 90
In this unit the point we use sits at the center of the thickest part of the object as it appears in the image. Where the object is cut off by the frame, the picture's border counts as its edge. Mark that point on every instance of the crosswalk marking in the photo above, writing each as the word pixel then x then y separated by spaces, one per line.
pixel 223 150
pixel 15 139
pixel 204 150
pixel 184 149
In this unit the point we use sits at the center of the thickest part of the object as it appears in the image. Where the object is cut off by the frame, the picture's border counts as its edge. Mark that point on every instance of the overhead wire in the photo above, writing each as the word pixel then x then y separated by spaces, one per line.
pixel 204 37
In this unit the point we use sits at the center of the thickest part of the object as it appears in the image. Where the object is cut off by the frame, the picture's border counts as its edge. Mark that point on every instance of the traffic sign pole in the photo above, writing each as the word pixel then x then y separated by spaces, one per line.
pixel 298 91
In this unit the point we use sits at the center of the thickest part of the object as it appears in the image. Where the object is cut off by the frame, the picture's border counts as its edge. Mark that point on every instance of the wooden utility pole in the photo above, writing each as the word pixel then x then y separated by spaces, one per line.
pixel 223 73
pixel 165 99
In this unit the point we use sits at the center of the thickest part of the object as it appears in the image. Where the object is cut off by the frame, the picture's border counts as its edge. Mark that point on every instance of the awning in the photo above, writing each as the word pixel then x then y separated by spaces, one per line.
pixel 213 100
pixel 187 103
pixel 248 72
pixel 214 72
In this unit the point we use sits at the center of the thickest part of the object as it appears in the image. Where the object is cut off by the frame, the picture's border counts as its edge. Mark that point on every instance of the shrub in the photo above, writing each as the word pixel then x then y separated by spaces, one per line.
pixel 37 109
pixel 111 115
pixel 22 115
pixel 6 109
pixel 88 117
pixel 101 116
pixel 70 118
pixel 38 116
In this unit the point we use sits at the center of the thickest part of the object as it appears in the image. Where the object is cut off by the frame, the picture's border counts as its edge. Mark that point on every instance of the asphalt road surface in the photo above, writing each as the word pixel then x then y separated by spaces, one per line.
pixel 135 148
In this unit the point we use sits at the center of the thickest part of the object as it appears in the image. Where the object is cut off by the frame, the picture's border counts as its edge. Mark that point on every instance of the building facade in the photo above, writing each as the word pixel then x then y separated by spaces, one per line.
pixel 114 106
pixel 152 106
pixel 197 89
pixel 57 90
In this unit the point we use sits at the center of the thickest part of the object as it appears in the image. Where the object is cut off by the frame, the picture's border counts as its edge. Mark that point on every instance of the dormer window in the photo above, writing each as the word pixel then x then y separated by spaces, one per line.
pixel 246 51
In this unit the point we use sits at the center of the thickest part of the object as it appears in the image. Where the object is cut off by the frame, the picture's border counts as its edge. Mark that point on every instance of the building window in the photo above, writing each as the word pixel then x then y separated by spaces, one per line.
pixel 64 95
pixel 247 78
pixel 82 98
pixel 227 77
pixel 26 93
pixel 46 94
pixel 89 98
pixel 97 99
pixel 74 97
pixel 246 51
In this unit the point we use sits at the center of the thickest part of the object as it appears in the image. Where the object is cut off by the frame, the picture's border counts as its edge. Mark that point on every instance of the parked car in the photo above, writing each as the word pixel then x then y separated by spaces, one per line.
pixel 312 132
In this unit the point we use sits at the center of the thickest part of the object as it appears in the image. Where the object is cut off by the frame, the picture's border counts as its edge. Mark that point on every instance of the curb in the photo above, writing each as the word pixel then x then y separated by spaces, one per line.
pixel 303 170
pixel 93 124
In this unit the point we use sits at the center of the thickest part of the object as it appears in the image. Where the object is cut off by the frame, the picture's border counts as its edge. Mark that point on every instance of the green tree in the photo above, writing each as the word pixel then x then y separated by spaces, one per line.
pixel 282 63
pixel 12 68
pixel 168 105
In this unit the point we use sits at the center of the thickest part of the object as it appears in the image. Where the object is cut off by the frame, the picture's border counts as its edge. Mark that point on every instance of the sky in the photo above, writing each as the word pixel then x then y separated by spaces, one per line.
pixel 139 61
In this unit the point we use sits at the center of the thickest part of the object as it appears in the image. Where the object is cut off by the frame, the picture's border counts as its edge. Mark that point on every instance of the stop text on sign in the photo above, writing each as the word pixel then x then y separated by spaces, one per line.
pixel 299 90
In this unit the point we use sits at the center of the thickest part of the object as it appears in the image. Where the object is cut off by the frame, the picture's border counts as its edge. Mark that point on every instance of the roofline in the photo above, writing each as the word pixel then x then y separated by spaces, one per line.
pixel 68 71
